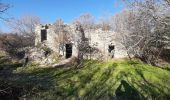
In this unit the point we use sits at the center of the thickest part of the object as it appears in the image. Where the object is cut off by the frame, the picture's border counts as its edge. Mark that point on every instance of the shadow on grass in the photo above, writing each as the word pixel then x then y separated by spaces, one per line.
pixel 6 69
pixel 7 90
pixel 165 55
pixel 17 85
pixel 127 92
pixel 151 88
pixel 67 83
pixel 168 69
pixel 99 89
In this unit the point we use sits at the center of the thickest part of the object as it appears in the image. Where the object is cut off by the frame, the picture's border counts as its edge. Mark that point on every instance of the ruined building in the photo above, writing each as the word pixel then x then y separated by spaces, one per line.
pixel 66 40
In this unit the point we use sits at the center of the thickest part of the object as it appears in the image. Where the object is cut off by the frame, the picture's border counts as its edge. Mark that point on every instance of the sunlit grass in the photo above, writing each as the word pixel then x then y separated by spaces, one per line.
pixel 121 79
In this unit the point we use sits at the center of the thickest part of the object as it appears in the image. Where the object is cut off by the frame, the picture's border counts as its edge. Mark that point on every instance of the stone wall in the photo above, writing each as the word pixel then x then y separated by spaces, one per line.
pixel 51 41
pixel 102 39
pixel 97 38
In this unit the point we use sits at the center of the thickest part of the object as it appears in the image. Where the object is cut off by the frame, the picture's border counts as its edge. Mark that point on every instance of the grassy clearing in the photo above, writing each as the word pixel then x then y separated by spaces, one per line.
pixel 119 79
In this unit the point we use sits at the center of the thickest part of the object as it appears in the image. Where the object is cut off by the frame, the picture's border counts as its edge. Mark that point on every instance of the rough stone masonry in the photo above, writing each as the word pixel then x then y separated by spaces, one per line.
pixel 102 42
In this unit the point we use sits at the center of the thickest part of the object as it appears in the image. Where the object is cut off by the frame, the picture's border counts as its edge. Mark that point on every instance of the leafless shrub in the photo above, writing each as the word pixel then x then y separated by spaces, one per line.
pixel 13 44
pixel 25 26
pixel 143 29
pixel 62 36
pixel 86 20
pixel 3 9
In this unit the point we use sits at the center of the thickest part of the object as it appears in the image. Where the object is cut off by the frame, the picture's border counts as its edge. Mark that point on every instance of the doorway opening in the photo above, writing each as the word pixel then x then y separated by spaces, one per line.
pixel 111 50
pixel 68 50
pixel 43 35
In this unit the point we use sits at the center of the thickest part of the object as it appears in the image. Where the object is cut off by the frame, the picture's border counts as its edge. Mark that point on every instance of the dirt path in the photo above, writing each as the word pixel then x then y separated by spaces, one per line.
pixel 64 63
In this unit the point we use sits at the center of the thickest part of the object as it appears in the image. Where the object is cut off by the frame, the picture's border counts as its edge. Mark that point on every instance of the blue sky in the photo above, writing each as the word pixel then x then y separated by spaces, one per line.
pixel 50 10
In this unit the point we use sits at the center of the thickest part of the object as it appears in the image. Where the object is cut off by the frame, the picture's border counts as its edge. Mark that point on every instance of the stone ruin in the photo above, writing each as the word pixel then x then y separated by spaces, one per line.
pixel 99 44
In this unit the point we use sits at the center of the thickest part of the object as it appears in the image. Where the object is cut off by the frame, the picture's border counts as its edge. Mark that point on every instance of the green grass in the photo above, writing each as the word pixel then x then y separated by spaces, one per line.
pixel 120 79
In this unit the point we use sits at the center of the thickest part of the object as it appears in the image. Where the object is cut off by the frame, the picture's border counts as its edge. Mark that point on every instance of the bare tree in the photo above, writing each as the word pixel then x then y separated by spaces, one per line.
pixel 104 24
pixel 85 25
pixel 167 1
pixel 11 44
pixel 80 41
pixel 25 26
pixel 62 34
pixel 86 20
pixel 144 29
pixel 3 9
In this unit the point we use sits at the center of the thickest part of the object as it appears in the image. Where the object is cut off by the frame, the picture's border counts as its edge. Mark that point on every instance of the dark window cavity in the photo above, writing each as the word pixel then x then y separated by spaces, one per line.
pixel 68 50
pixel 111 50
pixel 43 35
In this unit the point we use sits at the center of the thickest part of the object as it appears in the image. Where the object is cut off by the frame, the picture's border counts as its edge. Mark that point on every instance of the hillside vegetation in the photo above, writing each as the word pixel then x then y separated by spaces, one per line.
pixel 117 79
